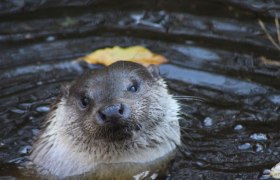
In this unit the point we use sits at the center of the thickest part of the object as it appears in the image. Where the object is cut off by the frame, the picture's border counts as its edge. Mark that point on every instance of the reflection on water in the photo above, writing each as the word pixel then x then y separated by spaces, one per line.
pixel 214 51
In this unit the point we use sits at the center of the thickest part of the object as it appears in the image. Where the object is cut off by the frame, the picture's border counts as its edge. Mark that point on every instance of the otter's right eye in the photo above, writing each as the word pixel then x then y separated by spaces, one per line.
pixel 84 102
pixel 133 88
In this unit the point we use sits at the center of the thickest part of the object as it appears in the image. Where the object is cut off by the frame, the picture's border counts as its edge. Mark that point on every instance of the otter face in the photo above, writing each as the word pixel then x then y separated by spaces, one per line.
pixel 122 113
pixel 114 103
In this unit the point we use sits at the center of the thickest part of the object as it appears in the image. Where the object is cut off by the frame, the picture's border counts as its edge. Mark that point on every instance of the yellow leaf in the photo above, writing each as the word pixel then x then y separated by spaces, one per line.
pixel 136 54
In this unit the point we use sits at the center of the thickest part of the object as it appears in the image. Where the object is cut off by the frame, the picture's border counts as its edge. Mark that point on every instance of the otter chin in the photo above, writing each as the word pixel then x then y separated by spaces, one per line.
pixel 119 114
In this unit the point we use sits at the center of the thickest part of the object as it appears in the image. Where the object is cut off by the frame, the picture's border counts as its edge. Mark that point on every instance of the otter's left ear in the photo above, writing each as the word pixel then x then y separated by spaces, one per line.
pixel 65 89
pixel 154 70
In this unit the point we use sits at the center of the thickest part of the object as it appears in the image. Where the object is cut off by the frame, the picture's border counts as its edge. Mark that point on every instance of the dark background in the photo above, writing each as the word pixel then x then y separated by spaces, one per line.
pixel 217 51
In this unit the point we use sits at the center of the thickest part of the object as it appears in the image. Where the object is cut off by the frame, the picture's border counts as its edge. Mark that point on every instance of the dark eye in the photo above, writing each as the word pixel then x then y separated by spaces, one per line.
pixel 84 102
pixel 133 88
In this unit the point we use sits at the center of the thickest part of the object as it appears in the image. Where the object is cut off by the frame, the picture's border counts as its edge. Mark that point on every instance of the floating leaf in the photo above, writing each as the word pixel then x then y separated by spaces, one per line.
pixel 275 171
pixel 136 54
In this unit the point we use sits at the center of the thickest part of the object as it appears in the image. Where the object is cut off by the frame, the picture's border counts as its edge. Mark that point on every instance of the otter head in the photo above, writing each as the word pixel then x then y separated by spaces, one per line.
pixel 113 103
pixel 109 113
pixel 122 113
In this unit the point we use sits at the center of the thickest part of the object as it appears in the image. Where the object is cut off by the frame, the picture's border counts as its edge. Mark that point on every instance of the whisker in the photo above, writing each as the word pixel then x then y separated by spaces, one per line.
pixel 189 98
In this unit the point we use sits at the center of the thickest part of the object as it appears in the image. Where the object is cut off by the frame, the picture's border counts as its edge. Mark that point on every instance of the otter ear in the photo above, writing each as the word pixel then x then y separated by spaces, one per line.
pixel 154 71
pixel 65 89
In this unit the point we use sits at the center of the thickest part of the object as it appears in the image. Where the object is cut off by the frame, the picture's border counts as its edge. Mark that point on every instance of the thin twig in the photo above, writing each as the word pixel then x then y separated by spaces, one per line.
pixel 277 28
pixel 268 35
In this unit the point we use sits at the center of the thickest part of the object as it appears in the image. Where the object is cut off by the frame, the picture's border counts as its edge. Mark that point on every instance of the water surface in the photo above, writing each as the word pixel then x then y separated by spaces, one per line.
pixel 214 48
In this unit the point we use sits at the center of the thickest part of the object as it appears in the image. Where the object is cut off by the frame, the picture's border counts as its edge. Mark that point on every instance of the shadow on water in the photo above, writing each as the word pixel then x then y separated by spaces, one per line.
pixel 215 50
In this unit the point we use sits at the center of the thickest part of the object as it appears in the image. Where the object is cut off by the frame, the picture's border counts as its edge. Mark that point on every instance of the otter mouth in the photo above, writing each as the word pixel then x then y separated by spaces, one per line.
pixel 120 132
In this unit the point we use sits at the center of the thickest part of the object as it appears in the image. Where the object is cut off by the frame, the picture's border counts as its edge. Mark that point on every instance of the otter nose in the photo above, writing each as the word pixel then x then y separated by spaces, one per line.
pixel 113 113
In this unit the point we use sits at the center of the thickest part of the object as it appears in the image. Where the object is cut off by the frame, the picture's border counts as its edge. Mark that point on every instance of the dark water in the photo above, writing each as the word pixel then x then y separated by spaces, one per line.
pixel 215 50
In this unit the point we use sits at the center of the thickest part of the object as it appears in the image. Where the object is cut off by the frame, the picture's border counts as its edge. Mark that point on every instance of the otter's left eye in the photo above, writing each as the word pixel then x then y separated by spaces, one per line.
pixel 133 88
pixel 84 102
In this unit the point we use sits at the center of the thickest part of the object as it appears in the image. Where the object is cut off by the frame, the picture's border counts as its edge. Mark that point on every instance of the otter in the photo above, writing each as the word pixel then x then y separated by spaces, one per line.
pixel 119 114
